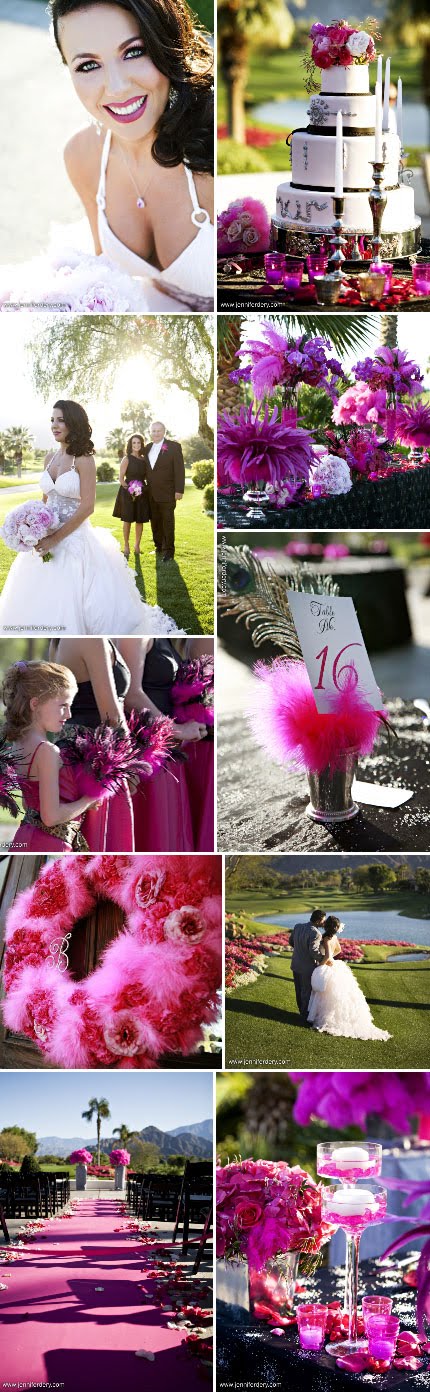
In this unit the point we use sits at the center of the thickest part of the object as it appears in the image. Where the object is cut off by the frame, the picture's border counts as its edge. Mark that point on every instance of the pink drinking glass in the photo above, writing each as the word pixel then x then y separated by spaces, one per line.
pixel 379 1305
pixel 382 1338
pixel 293 272
pixel 387 268
pixel 312 1320
pixel 274 266
pixel 348 1161
pixel 353 1209
pixel 421 277
pixel 317 264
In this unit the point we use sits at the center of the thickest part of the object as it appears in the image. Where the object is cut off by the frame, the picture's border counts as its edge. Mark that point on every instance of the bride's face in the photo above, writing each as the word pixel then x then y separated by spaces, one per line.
pixel 113 75
pixel 59 427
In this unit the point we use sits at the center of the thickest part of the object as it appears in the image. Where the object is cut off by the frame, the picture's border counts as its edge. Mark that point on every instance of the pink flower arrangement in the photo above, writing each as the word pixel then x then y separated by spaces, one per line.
pixel 350 1099
pixel 244 227
pixel 361 405
pixel 255 446
pixel 80 1157
pixel 120 1157
pixel 266 1207
pixel 73 280
pixel 27 524
pixel 275 360
pixel 285 720
pixel 339 45
pixel 413 425
pixel 135 488
pixel 102 759
pixel 392 370
pixel 330 475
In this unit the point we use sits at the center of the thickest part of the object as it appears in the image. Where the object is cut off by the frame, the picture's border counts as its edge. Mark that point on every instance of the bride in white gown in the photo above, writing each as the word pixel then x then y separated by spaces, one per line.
pixel 337 1005
pixel 87 586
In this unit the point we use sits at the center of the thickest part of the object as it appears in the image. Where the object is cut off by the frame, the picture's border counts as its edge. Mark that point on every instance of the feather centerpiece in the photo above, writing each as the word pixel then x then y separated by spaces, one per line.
pixel 102 759
pixel 255 446
pixel 286 722
pixel 413 425
pixel 9 785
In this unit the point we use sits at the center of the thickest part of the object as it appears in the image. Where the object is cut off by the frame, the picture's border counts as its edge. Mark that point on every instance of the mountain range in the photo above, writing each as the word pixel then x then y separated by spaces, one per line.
pixel 196 1140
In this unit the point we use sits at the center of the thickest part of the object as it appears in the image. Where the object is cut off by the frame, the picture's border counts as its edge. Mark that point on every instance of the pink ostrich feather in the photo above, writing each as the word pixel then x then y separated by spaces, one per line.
pixel 286 722
pixel 412 425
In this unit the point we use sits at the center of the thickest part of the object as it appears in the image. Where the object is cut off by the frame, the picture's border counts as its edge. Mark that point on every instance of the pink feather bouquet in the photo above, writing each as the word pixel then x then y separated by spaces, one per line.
pixel 154 739
pixel 9 786
pixel 102 759
pixel 193 691
pixel 286 722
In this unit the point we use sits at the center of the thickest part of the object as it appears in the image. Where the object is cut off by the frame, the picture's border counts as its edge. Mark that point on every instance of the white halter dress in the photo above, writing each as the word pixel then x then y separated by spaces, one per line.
pixel 86 588
pixel 192 273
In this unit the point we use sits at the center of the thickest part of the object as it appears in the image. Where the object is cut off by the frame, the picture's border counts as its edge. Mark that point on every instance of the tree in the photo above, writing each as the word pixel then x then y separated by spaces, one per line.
pixel 86 352
pixel 144 1155
pixel 115 441
pixel 136 417
pixel 17 440
pixel 422 880
pixel 99 1107
pixel 29 1138
pixel 124 1134
pixel 407 23
pixel 13 1146
pixel 388 331
pixel 241 25
pixel 380 877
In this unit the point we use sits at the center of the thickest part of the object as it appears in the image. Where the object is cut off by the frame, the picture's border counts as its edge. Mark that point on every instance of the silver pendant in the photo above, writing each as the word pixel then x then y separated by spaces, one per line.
pixel 140 203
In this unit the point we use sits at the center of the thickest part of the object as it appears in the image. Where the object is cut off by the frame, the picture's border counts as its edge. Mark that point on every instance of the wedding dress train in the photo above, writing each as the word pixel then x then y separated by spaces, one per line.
pixel 338 1006
pixel 87 586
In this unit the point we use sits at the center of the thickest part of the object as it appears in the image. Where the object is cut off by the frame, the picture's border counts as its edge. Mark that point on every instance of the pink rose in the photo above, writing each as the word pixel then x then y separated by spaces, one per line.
pixel 247 1214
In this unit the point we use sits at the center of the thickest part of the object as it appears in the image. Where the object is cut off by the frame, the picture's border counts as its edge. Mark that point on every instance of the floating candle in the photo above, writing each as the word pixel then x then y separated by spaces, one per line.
pixel 351 1155
pixel 351 1202
pixel 382 1348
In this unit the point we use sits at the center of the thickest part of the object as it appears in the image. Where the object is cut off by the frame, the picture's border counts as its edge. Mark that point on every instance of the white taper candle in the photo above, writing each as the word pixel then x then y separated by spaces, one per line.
pixel 379 70
pixel 338 170
pixel 399 110
pixel 386 111
pixel 378 124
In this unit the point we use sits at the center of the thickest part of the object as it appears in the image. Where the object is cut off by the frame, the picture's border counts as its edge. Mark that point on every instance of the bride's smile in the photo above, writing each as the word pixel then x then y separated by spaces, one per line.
pixel 112 73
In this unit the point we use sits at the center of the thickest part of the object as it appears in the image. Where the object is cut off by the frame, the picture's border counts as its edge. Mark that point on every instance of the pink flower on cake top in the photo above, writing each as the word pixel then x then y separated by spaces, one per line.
pixel 339 45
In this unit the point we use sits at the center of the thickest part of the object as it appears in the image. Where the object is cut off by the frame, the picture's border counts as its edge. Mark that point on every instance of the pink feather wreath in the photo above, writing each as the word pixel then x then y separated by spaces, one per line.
pixel 156 984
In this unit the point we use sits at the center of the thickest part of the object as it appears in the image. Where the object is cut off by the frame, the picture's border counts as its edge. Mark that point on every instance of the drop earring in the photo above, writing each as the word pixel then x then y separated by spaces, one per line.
pixel 98 127
pixel 172 98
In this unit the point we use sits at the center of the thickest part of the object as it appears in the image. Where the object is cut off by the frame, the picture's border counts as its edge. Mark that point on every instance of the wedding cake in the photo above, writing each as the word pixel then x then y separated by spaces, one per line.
pixel 304 205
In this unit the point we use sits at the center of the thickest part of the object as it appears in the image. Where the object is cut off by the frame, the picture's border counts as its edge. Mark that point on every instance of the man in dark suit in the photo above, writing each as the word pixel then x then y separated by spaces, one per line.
pixel 165 476
pixel 305 940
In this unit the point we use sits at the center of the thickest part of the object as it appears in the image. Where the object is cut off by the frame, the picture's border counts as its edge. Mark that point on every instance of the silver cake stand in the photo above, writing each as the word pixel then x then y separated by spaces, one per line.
pixel 299 240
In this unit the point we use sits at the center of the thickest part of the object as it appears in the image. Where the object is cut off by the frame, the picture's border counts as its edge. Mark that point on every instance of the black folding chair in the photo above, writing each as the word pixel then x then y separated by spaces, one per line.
pixel 195 1206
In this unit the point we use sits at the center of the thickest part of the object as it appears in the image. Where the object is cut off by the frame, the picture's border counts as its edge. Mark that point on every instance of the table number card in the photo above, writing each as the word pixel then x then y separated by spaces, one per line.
pixel 333 647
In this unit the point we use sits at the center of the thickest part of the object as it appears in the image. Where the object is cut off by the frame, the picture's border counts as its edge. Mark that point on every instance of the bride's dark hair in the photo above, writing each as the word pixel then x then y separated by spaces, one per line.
pixel 136 436
pixel 331 926
pixel 184 133
pixel 79 440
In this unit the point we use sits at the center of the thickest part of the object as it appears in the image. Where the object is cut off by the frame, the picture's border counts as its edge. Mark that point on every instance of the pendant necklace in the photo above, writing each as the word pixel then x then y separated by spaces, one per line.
pixel 140 200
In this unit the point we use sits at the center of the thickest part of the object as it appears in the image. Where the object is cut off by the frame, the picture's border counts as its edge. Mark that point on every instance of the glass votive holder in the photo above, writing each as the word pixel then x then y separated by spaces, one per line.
pixel 386 268
pixel 317 264
pixel 293 272
pixel 274 266
pixel 311 1321
pixel 379 1305
pixel 382 1337
pixel 372 285
pixel 421 277
pixel 327 288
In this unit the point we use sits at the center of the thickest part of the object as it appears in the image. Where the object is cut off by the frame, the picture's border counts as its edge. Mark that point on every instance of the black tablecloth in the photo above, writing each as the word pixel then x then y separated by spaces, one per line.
pixel 261 805
pixel 250 1356
pixel 251 291
pixel 400 501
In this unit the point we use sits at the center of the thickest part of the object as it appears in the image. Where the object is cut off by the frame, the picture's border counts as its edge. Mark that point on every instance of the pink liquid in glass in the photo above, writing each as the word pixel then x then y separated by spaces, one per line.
pixel 330 1169
pixel 382 1347
pixel 355 1223
pixel 311 1338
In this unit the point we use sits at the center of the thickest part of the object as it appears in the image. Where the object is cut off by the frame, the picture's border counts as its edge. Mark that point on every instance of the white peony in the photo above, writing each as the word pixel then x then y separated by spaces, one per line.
pixel 358 43
pixel 330 475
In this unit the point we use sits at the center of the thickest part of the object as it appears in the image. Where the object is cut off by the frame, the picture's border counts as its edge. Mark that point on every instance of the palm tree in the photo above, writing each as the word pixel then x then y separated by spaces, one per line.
pixel 242 23
pixel 100 1107
pixel 388 325
pixel 124 1134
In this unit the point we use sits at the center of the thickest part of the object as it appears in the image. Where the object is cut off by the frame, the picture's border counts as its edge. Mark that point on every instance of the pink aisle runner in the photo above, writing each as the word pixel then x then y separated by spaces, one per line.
pixel 57 1329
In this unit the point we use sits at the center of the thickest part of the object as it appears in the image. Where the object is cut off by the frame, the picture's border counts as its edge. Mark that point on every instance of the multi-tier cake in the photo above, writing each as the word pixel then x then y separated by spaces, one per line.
pixel 304 205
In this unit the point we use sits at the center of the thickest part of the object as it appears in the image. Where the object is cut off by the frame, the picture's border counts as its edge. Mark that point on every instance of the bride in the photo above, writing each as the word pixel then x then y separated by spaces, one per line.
pixel 337 1005
pixel 86 586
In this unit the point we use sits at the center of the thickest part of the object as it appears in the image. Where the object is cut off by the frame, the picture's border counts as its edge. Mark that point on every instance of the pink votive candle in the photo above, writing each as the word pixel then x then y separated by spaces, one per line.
pixel 316 264
pixel 274 266
pixel 293 272
pixel 385 268
pixel 421 277
pixel 311 1336
pixel 382 1346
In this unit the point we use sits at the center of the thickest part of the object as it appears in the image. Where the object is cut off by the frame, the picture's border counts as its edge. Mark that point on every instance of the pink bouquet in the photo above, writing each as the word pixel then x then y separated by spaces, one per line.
pixel 80 1157
pixel 135 488
pixel 193 691
pixel 244 227
pixel 119 1157
pixel 102 759
pixel 265 1208
pixel 27 524
pixel 340 45
pixel 72 280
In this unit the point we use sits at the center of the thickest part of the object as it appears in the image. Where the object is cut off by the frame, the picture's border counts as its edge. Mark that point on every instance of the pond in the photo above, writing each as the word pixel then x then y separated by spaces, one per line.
pixel 359 923
pixel 288 115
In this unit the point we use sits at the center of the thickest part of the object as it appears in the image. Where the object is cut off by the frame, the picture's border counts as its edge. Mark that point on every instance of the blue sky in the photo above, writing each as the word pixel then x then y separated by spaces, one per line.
pixel 51 1103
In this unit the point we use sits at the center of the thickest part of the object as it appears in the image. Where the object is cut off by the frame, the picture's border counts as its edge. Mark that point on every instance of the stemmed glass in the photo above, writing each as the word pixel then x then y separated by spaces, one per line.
pixel 353 1209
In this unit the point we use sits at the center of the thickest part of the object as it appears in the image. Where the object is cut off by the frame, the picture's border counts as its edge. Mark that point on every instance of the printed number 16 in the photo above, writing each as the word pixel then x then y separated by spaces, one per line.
pixel 336 670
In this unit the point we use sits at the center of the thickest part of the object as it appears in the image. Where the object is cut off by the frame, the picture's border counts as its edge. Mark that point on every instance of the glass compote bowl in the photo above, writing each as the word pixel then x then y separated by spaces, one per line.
pixel 353 1209
pixel 349 1162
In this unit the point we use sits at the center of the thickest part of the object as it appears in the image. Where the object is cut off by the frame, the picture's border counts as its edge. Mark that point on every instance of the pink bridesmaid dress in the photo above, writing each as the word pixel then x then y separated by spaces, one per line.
pixel 162 812
pixel 111 826
pixel 199 774
pixel 31 837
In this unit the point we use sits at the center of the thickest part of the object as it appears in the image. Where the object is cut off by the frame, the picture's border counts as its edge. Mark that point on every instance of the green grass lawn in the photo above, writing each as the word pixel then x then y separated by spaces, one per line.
pixel 263 1026
pixel 404 902
pixel 184 589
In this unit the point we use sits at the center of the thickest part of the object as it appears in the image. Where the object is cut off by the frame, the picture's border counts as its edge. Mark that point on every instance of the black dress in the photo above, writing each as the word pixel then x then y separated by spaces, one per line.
pixel 84 709
pixel 161 665
pixel 131 509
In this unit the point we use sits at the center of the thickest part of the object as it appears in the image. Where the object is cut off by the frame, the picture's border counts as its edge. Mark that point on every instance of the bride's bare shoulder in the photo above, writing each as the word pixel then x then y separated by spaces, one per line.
pixel 82 156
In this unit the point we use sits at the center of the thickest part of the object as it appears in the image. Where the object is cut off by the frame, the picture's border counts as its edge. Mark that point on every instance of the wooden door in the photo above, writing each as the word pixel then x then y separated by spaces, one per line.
pixel 90 936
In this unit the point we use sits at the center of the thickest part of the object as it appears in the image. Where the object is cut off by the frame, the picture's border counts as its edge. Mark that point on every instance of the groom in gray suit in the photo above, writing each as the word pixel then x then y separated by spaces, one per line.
pixel 305 940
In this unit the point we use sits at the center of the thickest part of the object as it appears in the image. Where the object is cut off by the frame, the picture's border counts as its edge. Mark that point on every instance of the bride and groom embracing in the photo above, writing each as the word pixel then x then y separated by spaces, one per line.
pixel 328 996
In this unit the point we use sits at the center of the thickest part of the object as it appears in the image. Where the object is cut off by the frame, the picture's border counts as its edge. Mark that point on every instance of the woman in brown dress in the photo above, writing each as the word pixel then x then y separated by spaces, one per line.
pixel 132 503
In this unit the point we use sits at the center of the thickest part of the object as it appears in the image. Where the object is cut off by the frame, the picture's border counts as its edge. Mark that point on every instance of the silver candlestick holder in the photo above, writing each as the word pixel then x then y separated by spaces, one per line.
pixel 337 256
pixel 405 176
pixel 377 200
